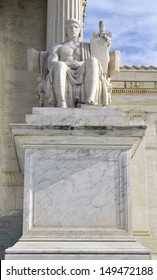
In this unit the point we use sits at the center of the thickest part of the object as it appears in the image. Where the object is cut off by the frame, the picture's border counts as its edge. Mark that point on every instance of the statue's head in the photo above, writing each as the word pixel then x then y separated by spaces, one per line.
pixel 72 28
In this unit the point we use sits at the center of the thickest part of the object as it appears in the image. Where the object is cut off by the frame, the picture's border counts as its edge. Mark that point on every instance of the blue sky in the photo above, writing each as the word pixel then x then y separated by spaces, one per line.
pixel 133 24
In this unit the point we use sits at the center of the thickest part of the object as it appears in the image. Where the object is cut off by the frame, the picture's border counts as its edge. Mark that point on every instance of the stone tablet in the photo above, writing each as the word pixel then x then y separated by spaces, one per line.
pixel 99 50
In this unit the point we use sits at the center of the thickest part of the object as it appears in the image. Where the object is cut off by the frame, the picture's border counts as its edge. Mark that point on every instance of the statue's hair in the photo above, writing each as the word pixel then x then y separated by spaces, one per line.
pixel 72 20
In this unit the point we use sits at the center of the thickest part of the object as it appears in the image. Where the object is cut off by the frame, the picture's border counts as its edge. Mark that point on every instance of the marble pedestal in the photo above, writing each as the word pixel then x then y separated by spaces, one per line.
pixel 77 197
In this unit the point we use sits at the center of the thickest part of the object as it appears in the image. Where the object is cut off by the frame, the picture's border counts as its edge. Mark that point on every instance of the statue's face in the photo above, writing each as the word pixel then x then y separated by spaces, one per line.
pixel 73 30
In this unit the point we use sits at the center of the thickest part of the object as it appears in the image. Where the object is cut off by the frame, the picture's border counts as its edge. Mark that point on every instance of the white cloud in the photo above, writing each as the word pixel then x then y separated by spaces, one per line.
pixel 133 24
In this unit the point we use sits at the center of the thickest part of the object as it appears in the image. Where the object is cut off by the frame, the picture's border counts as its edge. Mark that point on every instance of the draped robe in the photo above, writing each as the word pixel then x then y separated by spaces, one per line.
pixel 75 83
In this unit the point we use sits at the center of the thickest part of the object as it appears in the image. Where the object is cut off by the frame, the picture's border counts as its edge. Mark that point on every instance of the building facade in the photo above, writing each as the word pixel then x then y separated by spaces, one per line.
pixel 23 25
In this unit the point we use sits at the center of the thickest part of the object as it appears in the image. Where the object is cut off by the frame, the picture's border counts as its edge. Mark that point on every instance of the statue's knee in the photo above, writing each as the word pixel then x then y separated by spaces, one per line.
pixel 92 62
pixel 60 66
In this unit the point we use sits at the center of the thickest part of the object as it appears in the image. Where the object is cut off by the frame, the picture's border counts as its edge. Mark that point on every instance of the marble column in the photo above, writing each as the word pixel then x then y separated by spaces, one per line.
pixel 57 12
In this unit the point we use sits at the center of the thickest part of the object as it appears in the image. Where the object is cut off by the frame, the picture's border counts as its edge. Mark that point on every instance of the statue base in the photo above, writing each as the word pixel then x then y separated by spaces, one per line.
pixel 97 250
pixel 77 203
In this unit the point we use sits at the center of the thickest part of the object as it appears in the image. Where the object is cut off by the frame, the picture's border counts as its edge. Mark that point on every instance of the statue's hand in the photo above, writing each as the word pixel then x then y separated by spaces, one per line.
pixel 108 40
pixel 107 37
pixel 74 64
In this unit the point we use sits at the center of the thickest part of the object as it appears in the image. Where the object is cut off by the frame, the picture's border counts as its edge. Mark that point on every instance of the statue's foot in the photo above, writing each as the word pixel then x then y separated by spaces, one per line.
pixel 63 105
pixel 90 102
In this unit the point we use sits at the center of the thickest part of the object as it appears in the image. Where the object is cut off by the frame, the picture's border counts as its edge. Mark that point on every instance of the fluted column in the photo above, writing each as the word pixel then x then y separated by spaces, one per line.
pixel 57 12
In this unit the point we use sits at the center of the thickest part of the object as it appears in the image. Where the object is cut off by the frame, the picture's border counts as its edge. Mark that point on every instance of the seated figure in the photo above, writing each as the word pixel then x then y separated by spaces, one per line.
pixel 70 75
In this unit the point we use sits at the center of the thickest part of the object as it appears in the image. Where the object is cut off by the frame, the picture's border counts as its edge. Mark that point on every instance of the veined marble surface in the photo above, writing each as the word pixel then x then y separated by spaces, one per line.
pixel 78 251
pixel 75 190
pixel 86 115
pixel 77 186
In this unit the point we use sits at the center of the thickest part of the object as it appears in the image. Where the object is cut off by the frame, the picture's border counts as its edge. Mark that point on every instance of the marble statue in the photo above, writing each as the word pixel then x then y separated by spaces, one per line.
pixel 71 73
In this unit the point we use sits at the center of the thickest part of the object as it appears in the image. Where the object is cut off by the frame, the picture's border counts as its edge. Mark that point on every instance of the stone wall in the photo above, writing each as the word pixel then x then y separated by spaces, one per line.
pixel 10 228
pixel 22 25
pixel 135 92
